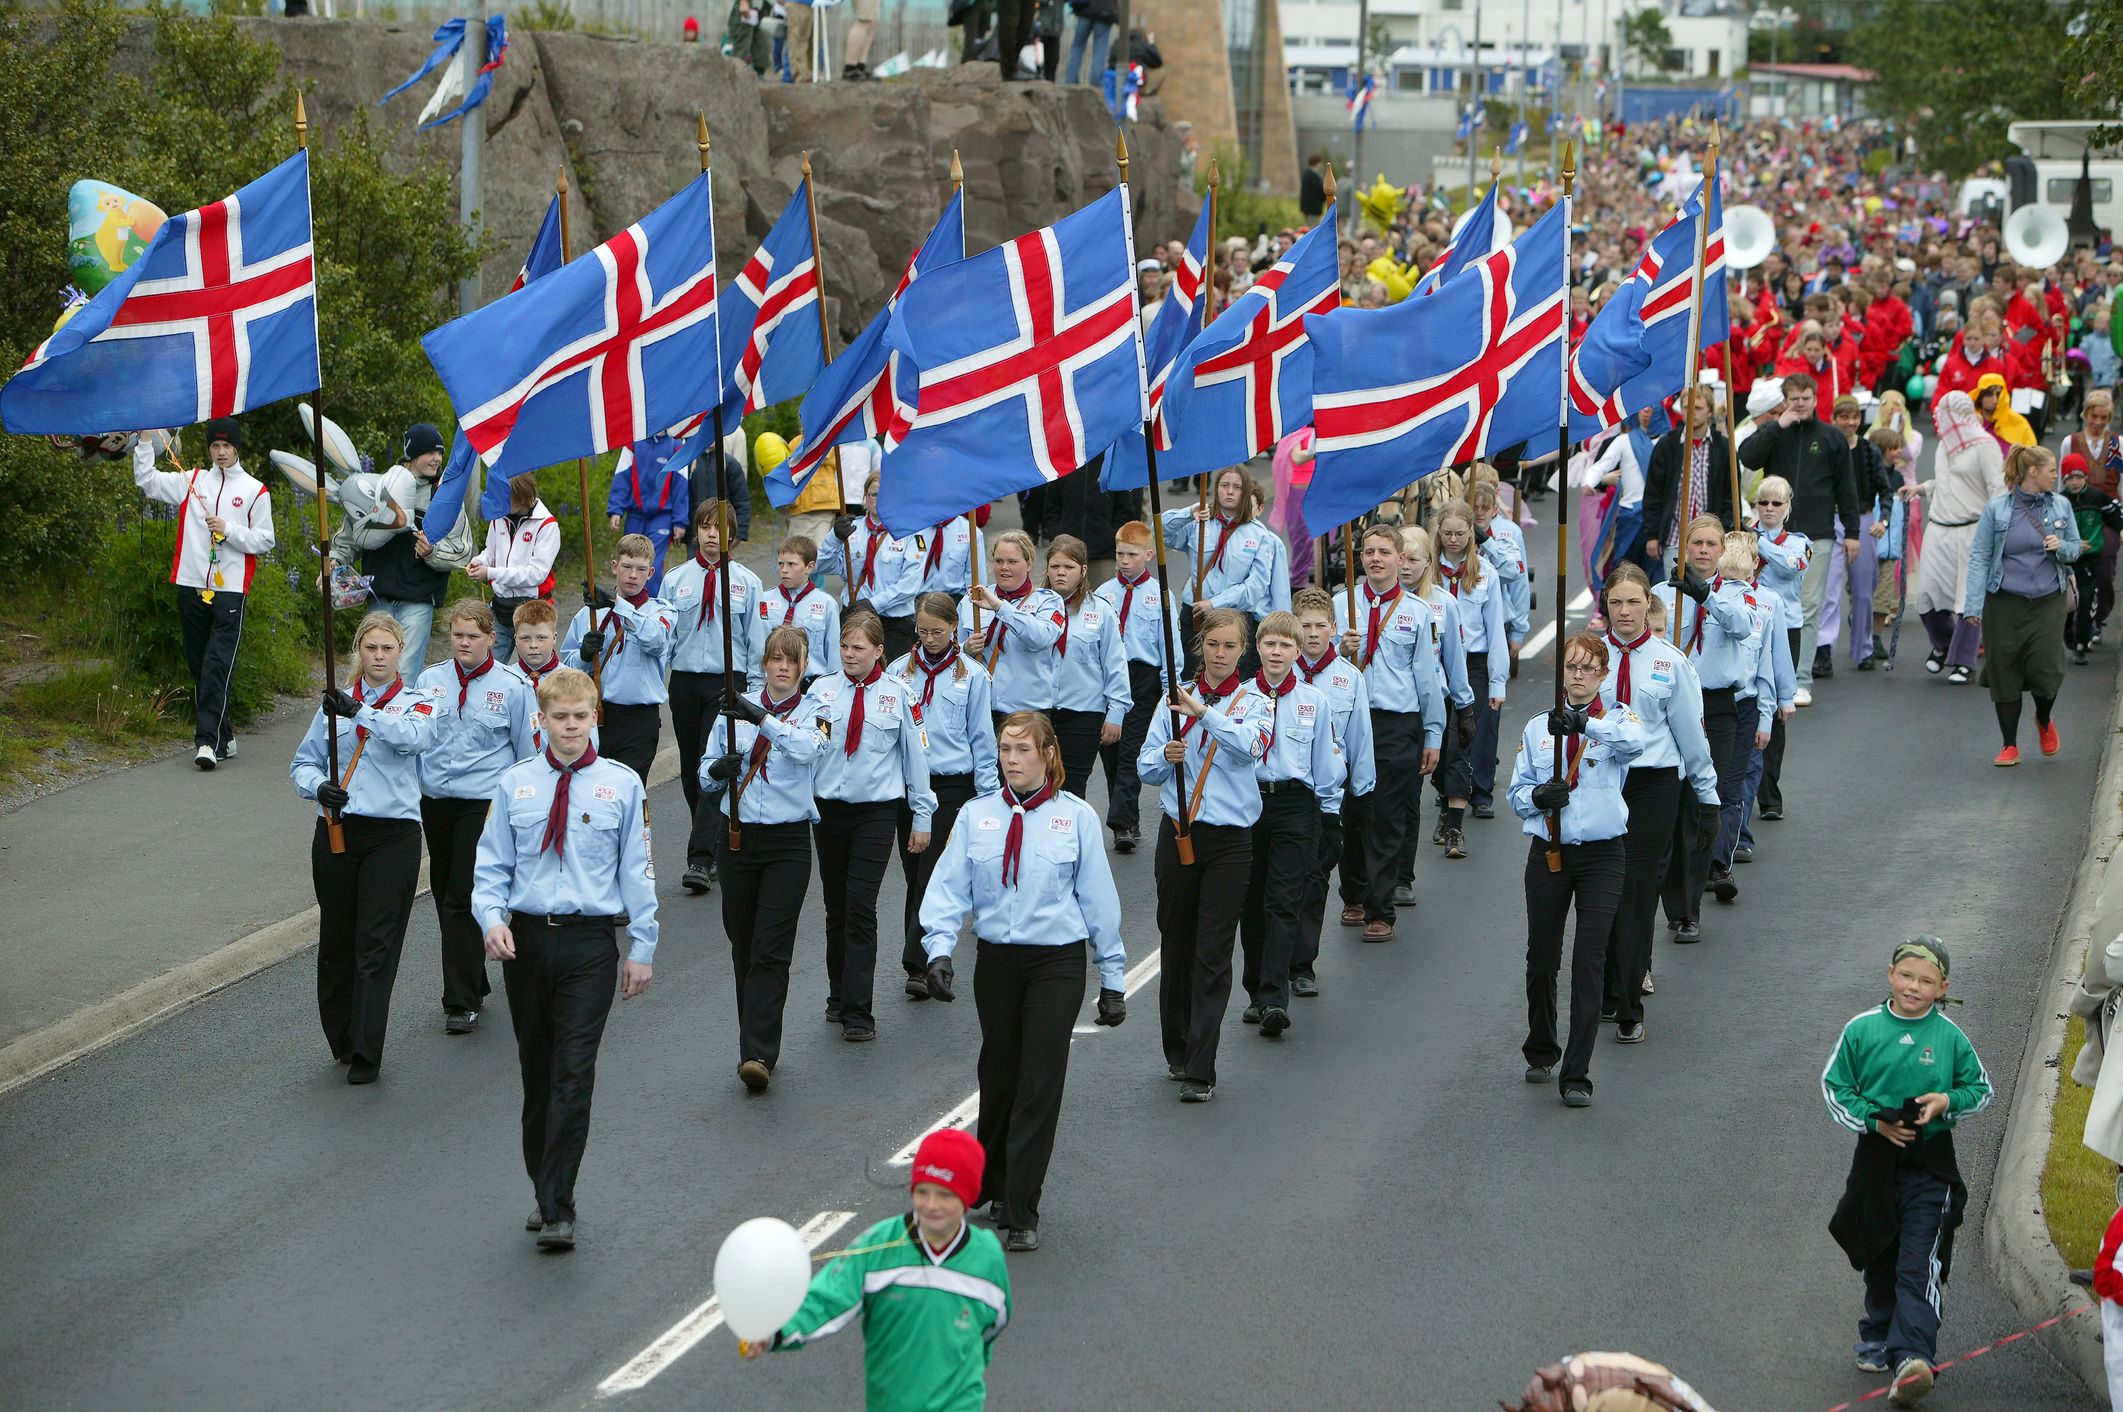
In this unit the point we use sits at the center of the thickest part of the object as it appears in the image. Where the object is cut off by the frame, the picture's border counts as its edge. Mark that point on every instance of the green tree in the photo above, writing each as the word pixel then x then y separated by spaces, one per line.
pixel 1957 78
pixel 2090 71
pixel 1646 36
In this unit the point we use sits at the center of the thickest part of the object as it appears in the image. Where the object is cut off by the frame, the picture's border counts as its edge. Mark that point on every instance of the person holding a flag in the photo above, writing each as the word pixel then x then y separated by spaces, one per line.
pixel 694 591
pixel 1479 589
pixel 882 570
pixel 625 646
pixel 1016 642
pixel 1237 553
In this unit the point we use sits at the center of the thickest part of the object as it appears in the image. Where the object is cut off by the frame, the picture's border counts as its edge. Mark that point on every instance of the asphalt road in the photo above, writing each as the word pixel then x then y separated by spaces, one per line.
pixel 1375 1211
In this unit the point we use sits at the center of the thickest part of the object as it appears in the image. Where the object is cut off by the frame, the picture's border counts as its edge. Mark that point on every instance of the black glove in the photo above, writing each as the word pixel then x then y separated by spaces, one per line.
pixel 744 708
pixel 1112 1007
pixel 332 797
pixel 1551 796
pixel 1481 534
pixel 940 978
pixel 1466 727
pixel 591 645
pixel 1567 720
pixel 725 767
pixel 1696 588
pixel 596 599
pixel 1709 817
pixel 843 526
pixel 339 703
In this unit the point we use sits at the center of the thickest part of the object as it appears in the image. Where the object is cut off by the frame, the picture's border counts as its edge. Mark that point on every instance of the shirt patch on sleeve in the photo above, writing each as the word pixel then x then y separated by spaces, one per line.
pixel 423 708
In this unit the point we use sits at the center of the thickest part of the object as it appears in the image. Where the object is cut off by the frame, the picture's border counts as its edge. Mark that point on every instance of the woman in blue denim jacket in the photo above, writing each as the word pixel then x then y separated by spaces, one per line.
pixel 2017 591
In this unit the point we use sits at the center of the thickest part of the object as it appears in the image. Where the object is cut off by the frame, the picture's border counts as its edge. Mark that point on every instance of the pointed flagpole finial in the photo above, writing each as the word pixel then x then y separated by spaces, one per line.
pixel 302 123
pixel 1570 165
pixel 806 165
pixel 958 171
pixel 1120 150
pixel 1327 179
pixel 1496 162
pixel 560 182
pixel 701 141
pixel 1216 175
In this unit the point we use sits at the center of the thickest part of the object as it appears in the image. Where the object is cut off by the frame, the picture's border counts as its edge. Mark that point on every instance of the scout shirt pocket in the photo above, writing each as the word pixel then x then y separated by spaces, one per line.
pixel 984 860
pixel 527 819
pixel 881 722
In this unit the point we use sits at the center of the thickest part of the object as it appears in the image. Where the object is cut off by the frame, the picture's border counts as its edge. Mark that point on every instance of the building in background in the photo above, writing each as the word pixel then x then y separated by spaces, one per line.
pixel 1225 73
pixel 1807 90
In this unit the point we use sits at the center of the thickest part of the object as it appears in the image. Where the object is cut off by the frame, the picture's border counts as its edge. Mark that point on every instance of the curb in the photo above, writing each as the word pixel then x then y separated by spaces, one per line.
pixel 87 1030
pixel 2015 1235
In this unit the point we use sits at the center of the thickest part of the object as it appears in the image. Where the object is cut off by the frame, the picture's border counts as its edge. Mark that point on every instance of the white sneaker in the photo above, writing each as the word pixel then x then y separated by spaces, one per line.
pixel 1803 698
pixel 205 758
pixel 1912 1380
pixel 229 752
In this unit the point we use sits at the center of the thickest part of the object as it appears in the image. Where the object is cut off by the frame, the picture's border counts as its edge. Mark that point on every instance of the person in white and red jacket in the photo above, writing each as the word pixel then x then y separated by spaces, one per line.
pixel 2108 1288
pixel 224 524
pixel 517 563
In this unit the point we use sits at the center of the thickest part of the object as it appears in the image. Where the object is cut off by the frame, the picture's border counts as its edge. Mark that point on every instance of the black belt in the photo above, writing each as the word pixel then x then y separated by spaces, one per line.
pixel 1723 692
pixel 570 919
pixel 1285 787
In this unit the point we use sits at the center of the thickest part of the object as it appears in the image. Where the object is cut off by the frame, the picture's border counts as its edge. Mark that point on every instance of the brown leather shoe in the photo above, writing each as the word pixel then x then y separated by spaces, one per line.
pixel 1378 931
pixel 1352 916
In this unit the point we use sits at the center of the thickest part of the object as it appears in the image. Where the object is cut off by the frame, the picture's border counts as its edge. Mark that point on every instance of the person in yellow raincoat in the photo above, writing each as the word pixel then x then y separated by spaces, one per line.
pixel 1994 400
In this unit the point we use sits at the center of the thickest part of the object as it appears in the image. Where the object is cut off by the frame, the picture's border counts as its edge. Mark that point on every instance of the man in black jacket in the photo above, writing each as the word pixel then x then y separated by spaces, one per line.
pixel 404 585
pixel 1812 455
pixel 1711 480
pixel 1311 189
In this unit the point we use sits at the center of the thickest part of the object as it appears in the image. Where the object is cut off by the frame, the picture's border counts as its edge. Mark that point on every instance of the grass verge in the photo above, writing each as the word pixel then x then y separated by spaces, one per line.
pixel 2078 1184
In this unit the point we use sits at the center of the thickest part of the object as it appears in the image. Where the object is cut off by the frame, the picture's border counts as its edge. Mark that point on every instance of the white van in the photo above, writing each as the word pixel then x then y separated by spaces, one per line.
pixel 2057 149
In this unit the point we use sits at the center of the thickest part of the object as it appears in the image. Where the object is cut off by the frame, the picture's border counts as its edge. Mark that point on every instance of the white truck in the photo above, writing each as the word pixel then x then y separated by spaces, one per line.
pixel 2055 151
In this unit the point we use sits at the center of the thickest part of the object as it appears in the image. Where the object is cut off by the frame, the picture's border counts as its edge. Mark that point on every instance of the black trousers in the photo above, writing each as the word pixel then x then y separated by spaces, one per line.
pixel 211 634
pixel 763 886
pixel 696 697
pixel 1197 921
pixel 1286 844
pixel 854 844
pixel 364 900
pixel 560 993
pixel 1312 905
pixel 1078 734
pixel 453 827
pixel 1013 31
pixel 1688 850
pixel 952 792
pixel 1124 788
pixel 629 734
pixel 1653 796
pixel 1454 776
pixel 1027 998
pixel 1770 794
pixel 1481 754
pixel 1592 877
pixel 1378 822
pixel 899 636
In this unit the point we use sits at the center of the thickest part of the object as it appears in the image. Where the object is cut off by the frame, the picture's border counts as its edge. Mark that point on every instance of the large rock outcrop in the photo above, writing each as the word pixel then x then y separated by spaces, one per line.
pixel 619 115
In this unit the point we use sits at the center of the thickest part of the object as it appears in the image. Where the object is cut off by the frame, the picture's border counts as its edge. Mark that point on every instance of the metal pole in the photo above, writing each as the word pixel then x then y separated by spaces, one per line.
pixel 1356 138
pixel 1621 65
pixel 473 135
pixel 1562 521
pixel 582 477
pixel 1474 142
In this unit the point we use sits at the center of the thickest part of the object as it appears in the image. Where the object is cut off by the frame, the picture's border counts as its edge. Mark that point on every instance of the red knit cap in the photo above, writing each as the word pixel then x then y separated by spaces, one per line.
pixel 950 1157
pixel 2074 464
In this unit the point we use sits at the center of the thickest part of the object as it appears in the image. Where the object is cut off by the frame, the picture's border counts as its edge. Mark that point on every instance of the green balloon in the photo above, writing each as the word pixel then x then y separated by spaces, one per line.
pixel 1916 388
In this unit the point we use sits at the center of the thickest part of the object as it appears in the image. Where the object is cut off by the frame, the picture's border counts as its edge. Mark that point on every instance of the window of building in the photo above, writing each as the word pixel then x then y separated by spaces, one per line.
pixel 2061 188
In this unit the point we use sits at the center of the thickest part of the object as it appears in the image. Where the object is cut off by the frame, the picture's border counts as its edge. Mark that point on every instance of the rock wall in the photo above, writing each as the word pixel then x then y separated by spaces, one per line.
pixel 618 115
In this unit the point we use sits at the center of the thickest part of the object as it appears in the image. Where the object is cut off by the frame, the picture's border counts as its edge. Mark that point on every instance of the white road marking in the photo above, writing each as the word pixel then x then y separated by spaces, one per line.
pixel 1545 634
pixel 678 1340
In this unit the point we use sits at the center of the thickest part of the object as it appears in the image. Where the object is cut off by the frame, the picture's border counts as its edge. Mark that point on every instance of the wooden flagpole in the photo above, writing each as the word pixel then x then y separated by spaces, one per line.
pixel 582 480
pixel 1568 174
pixel 1206 296
pixel 725 540
pixel 1695 356
pixel 825 341
pixel 335 833
pixel 1183 841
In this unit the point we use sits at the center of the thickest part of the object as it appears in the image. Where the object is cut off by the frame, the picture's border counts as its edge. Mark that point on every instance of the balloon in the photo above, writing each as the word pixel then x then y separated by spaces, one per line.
pixel 107 229
pixel 769 451
pixel 1381 203
pixel 1916 388
pixel 762 1273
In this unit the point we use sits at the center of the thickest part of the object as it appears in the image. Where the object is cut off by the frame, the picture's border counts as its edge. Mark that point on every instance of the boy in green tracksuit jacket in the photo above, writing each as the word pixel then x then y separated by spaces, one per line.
pixel 931 1290
pixel 1901 1076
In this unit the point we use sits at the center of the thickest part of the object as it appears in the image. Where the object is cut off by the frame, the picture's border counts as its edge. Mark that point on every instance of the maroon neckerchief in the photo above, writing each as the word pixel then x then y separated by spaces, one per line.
pixel 1002 628
pixel 1061 646
pixel 556 819
pixel 465 678
pixel 760 743
pixel 536 675
pixel 397 685
pixel 801 594
pixel 932 669
pixel 638 599
pixel 1312 670
pixel 1382 606
pixel 1216 560
pixel 1578 743
pixel 1695 642
pixel 1014 840
pixel 855 708
pixel 1275 695
pixel 711 582
pixel 869 557
pixel 1451 575
pixel 1127 597
pixel 935 560
pixel 1209 695
pixel 1621 673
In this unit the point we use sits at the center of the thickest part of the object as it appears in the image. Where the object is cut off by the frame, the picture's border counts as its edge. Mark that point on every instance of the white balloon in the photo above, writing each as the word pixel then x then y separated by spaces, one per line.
pixel 762 1273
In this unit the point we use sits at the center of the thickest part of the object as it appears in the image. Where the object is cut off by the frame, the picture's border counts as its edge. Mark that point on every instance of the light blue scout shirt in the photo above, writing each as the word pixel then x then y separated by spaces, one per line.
pixel 811 608
pixel 637 650
pixel 478 736
pixel 1243 575
pixel 1716 632
pixel 1403 672
pixel 603 868
pixel 1349 711
pixel 1603 754
pixel 1238 727
pixel 1090 668
pixel 945 554
pixel 531 679
pixel 892 759
pixel 1784 554
pixel 386 783
pixel 1135 612
pixel 1061 891
pixel 780 791
pixel 951 701
pixel 1449 646
pixel 693 589
pixel 1664 693
pixel 1482 623
pixel 1506 552
pixel 1021 663
pixel 1301 744
pixel 892 584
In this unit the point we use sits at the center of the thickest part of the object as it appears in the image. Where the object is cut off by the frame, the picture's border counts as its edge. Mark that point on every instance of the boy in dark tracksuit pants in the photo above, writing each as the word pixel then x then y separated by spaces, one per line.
pixel 1902 1075
pixel 2098 515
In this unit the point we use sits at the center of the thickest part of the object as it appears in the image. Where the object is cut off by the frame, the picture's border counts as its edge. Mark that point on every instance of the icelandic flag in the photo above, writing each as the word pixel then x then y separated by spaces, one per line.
pixel 1635 354
pixel 854 398
pixel 217 316
pixel 1517 138
pixel 1474 239
pixel 1245 382
pixel 1123 102
pixel 610 349
pixel 772 345
pixel 1406 390
pixel 455 482
pixel 1471 121
pixel 1179 319
pixel 1029 359
pixel 1360 98
pixel 449 39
